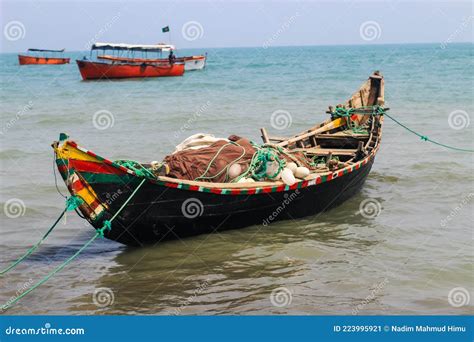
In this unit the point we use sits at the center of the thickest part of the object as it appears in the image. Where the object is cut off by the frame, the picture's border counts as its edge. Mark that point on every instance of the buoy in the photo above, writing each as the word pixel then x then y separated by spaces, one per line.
pixel 235 170
pixel 292 166
pixel 246 180
pixel 287 176
pixel 301 172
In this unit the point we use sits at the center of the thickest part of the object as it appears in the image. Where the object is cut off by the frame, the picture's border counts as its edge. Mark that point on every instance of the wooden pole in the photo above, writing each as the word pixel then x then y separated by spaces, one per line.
pixel 265 138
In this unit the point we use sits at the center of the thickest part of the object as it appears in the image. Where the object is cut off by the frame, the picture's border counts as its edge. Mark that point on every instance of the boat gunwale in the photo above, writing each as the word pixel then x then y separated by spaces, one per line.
pixel 240 188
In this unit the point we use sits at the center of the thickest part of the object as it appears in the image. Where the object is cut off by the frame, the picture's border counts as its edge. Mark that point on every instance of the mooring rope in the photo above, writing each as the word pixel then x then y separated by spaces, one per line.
pixel 71 203
pixel 378 110
pixel 425 138
pixel 99 232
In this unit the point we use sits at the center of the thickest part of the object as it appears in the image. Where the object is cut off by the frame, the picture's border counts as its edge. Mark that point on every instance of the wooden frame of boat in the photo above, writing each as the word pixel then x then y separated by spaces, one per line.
pixel 166 208
pixel 44 60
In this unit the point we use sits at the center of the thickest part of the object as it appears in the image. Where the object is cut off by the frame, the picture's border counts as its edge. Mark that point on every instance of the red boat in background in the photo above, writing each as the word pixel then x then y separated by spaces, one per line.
pixel 126 67
pixel 99 70
pixel 32 59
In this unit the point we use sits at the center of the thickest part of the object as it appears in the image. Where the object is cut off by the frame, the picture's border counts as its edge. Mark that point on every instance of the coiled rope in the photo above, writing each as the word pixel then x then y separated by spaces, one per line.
pixel 260 161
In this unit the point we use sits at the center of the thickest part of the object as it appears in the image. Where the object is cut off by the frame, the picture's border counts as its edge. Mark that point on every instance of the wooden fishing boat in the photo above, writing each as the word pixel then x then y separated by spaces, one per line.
pixel 42 59
pixel 166 208
pixel 190 62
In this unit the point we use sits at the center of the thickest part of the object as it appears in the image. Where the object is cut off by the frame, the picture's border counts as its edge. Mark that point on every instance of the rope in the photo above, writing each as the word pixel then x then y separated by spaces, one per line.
pixel 47 277
pixel 378 110
pixel 425 138
pixel 226 168
pixel 71 203
pixel 259 163
pixel 100 232
pixel 55 177
pixel 108 223
pixel 136 167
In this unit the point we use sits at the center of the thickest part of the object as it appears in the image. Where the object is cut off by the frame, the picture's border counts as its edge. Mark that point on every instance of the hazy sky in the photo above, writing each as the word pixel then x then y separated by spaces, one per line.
pixel 217 23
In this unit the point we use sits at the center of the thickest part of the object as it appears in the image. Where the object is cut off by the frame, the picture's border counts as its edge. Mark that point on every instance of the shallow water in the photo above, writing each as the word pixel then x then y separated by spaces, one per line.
pixel 405 260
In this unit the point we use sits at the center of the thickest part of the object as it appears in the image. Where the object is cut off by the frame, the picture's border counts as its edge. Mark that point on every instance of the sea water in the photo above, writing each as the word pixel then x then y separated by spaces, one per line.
pixel 409 255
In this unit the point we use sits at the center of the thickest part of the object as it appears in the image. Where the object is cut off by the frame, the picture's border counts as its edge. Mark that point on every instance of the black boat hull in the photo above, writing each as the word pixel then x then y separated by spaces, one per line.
pixel 158 213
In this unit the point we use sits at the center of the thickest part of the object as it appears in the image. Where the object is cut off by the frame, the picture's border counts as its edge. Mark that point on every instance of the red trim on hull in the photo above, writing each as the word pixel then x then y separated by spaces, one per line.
pixel 95 70
pixel 27 60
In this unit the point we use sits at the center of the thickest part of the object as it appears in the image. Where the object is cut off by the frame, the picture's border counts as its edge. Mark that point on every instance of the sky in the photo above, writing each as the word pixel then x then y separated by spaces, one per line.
pixel 74 25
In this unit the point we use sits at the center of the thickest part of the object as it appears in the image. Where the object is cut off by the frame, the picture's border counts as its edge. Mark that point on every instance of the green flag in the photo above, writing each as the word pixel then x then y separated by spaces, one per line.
pixel 165 29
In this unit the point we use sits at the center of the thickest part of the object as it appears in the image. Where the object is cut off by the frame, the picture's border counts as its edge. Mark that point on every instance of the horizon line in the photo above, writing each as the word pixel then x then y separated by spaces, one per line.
pixel 296 46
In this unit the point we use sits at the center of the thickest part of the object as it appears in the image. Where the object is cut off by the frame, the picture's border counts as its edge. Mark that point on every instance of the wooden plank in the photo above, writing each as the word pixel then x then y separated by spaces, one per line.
pixel 343 134
pixel 326 151
pixel 333 124
pixel 274 138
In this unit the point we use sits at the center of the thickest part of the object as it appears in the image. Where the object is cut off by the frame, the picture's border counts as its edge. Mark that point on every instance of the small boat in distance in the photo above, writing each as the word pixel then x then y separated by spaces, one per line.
pixel 342 150
pixel 128 67
pixel 41 58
